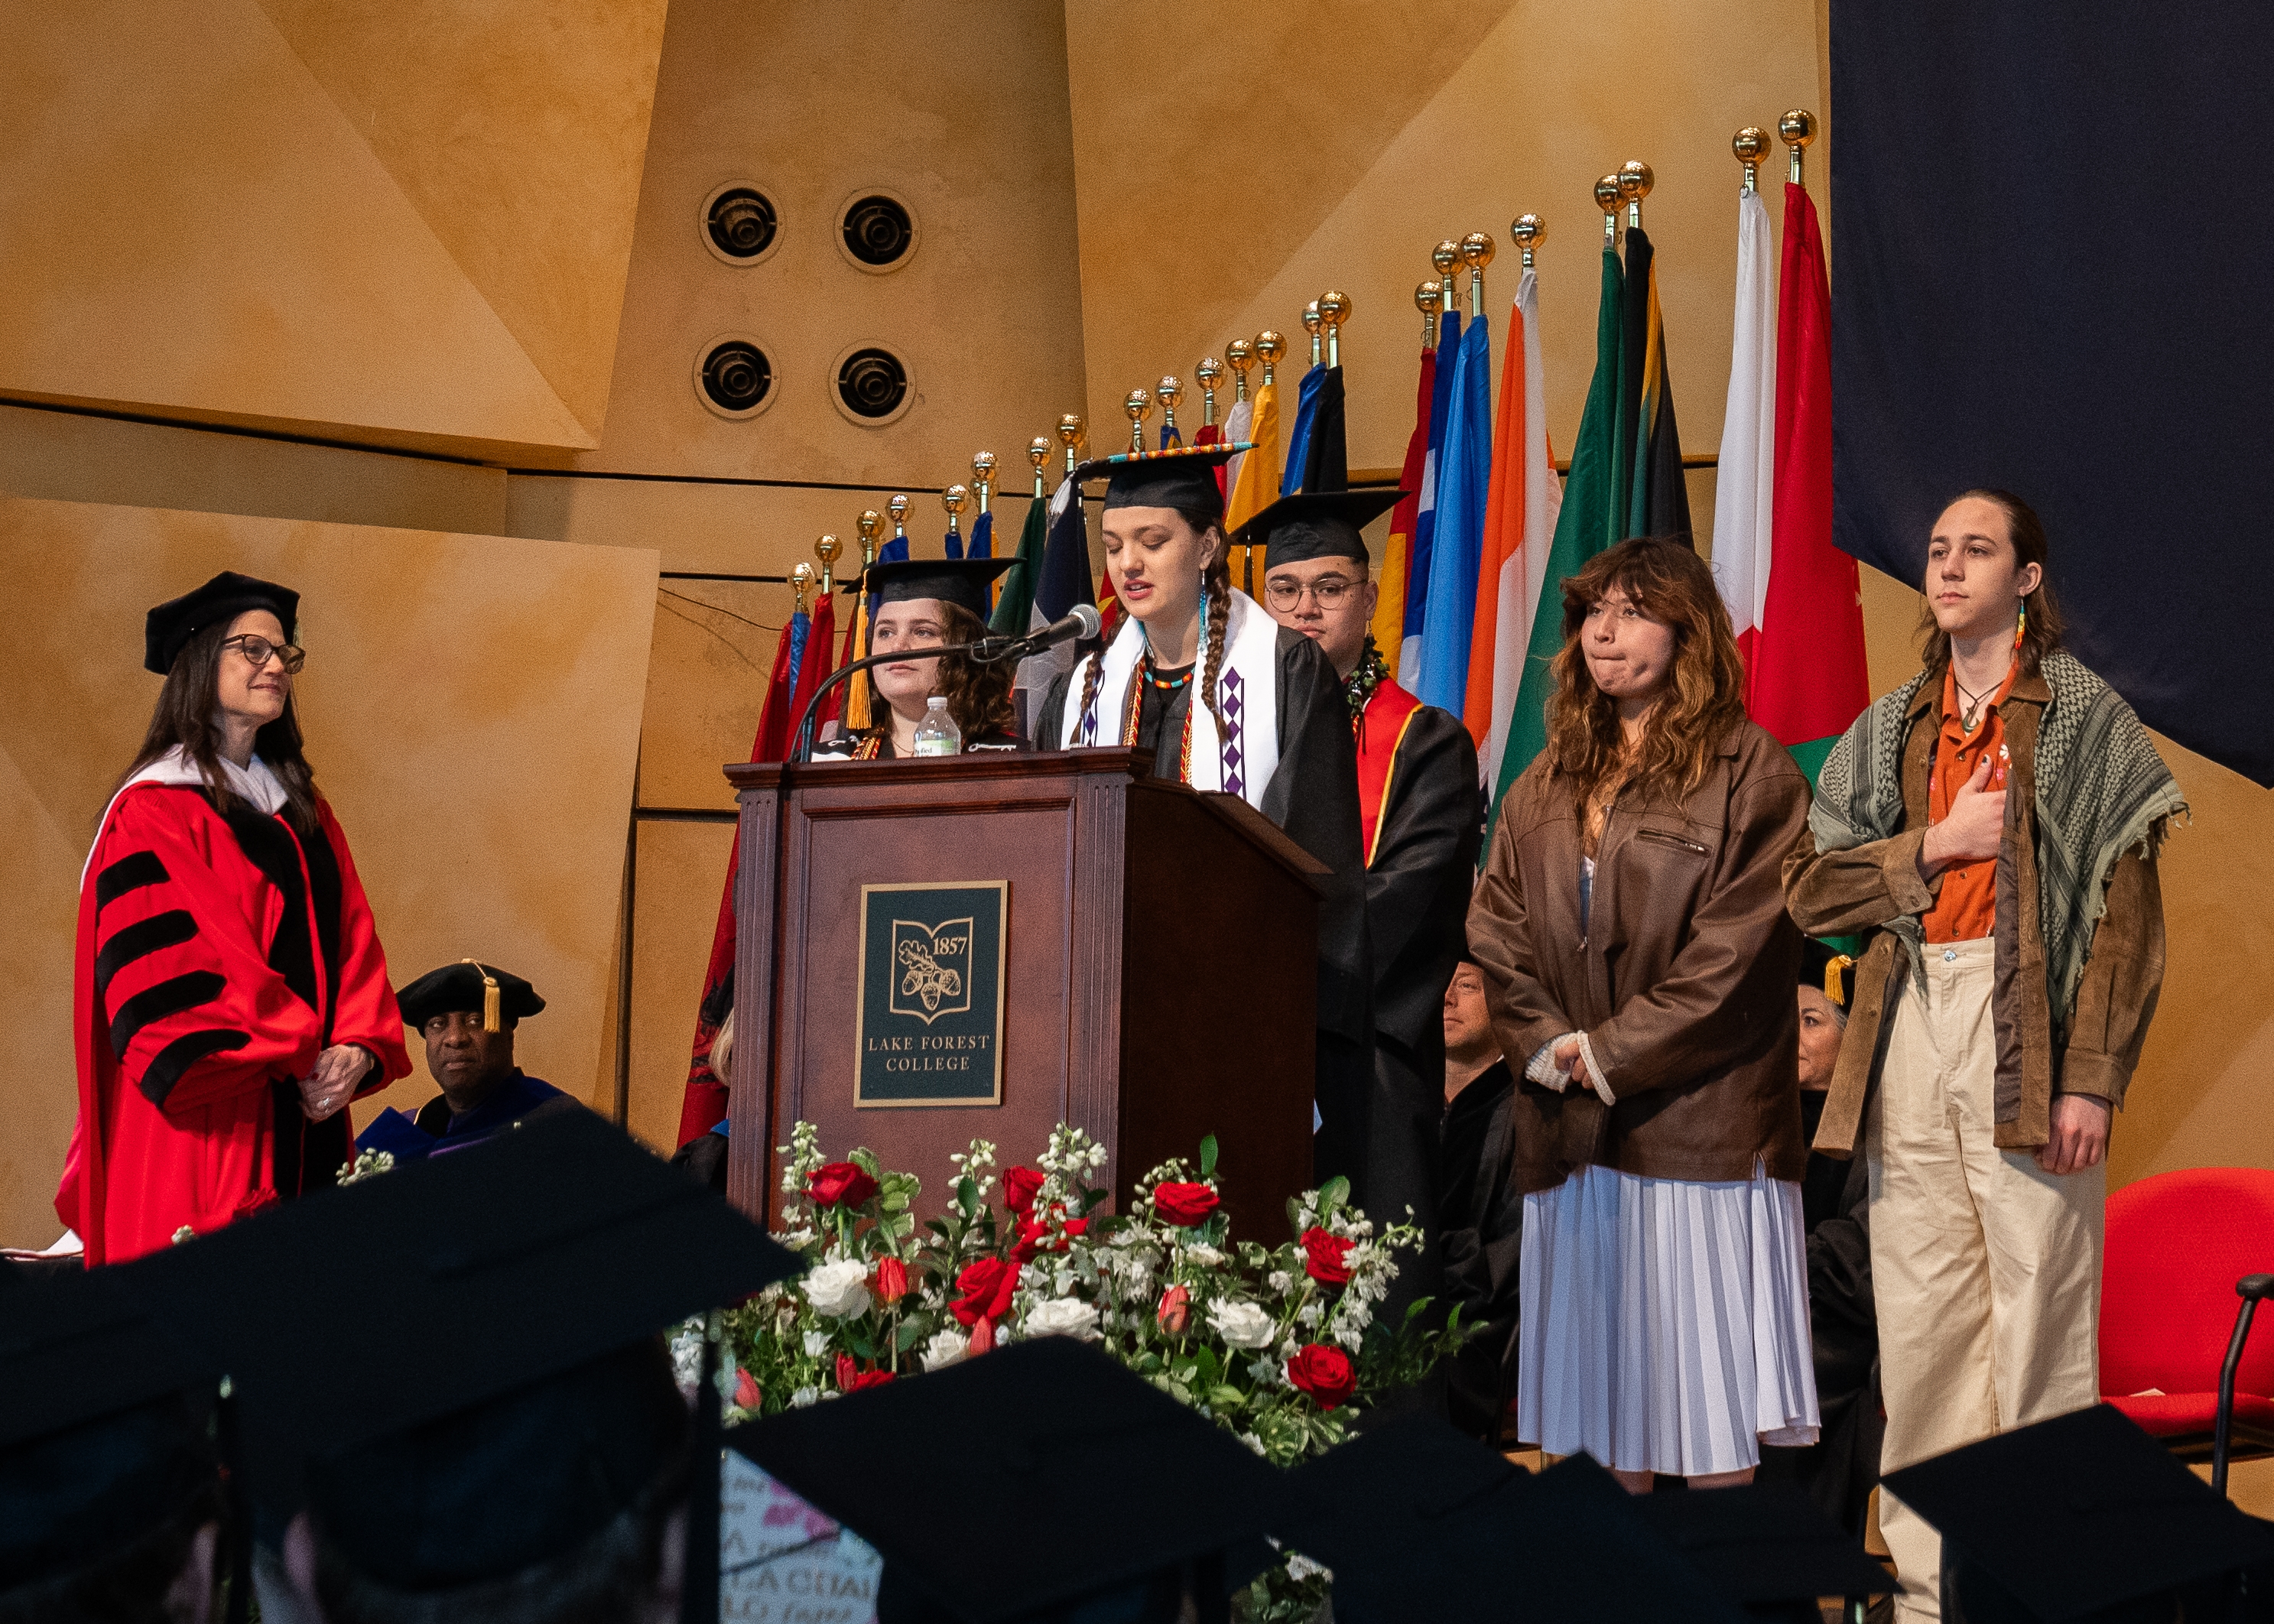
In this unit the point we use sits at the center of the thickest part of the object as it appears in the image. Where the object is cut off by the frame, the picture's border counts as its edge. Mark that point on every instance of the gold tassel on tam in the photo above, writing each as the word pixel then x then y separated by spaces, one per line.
pixel 492 1019
pixel 1832 967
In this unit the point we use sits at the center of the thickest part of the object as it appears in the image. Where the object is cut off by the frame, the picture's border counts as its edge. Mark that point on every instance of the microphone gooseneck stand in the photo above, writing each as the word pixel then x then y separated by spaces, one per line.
pixel 985 651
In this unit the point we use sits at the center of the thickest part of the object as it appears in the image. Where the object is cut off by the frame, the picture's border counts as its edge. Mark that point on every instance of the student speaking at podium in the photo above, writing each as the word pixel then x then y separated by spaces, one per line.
pixel 1228 700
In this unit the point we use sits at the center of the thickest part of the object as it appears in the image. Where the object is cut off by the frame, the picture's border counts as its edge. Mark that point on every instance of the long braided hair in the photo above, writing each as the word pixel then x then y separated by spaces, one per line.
pixel 1216 592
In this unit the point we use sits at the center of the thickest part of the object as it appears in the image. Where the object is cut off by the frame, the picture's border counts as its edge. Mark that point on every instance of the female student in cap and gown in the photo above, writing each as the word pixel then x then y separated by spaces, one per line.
pixel 924 604
pixel 231 995
pixel 1227 700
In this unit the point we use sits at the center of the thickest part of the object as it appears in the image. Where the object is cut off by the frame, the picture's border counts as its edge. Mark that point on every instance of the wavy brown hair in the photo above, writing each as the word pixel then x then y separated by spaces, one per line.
pixel 978 696
pixel 2043 633
pixel 1704 693
pixel 184 715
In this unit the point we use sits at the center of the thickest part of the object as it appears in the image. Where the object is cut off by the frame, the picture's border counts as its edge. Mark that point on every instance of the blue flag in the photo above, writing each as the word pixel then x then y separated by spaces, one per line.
pixel 1298 437
pixel 952 545
pixel 982 537
pixel 1463 478
pixel 801 628
pixel 1425 519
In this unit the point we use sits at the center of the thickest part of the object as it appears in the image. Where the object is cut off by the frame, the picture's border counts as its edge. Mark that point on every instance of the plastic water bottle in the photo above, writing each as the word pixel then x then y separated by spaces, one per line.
pixel 938 734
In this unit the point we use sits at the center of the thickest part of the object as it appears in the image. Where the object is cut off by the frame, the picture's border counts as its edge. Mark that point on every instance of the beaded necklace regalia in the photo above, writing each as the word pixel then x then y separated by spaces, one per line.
pixel 1135 708
pixel 870 746
pixel 1359 687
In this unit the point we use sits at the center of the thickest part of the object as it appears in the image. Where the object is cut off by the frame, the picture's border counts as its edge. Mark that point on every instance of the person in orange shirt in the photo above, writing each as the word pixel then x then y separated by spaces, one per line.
pixel 1990 828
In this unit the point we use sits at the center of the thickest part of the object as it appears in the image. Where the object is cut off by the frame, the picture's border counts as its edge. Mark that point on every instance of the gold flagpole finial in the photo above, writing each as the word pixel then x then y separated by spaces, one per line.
pixel 1476 252
pixel 899 509
pixel 1752 145
pixel 1608 198
pixel 1311 323
pixel 801 582
pixel 826 550
pixel 1072 434
pixel 982 476
pixel 1527 232
pixel 952 499
pixel 1270 346
pixel 1798 129
pixel 1240 355
pixel 1333 310
pixel 1446 257
pixel 869 522
pixel 1168 391
pixel 1427 297
pixel 1209 373
pixel 1139 404
pixel 1635 182
pixel 1038 453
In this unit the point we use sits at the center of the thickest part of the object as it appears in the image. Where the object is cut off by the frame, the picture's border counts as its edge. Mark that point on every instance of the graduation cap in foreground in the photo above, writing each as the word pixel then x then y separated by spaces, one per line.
pixel 227 595
pixel 495 1318
pixel 1100 1486
pixel 960 581
pixel 468 986
pixel 1182 477
pixel 105 1430
pixel 1481 1547
pixel 1766 1548
pixel 1316 524
pixel 2072 1518
pixel 1418 1521
pixel 1829 971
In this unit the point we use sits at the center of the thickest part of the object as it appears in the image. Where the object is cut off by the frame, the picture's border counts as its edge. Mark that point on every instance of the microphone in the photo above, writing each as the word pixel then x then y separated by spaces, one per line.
pixel 1082 622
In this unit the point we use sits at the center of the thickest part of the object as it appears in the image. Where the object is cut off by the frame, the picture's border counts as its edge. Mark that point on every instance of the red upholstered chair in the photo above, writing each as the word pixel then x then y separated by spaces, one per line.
pixel 2177 1244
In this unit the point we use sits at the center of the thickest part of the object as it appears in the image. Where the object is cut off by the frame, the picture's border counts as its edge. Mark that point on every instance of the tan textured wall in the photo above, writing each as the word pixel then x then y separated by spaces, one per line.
pixel 472 711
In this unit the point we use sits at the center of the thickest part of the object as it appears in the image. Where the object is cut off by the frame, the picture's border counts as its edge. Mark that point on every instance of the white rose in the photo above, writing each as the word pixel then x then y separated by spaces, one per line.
pixel 840 1291
pixel 944 1349
pixel 1064 1316
pixel 816 1343
pixel 1243 1324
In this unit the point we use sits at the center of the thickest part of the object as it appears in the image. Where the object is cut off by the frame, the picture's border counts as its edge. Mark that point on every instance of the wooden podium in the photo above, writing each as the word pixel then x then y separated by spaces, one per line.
pixel 1153 978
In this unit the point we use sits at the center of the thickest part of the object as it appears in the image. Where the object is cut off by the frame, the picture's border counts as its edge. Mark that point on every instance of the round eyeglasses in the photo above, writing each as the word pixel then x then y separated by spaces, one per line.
pixel 1327 593
pixel 257 650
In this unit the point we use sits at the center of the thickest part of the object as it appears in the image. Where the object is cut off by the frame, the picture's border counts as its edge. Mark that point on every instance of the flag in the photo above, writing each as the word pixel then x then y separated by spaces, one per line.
pixel 1016 605
pixel 1065 581
pixel 839 703
pixel 982 545
pixel 1519 523
pixel 1808 680
pixel 953 546
pixel 1593 518
pixel 1425 514
pixel 1326 455
pixel 1742 492
pixel 1463 483
pixel 1392 585
pixel 1658 503
pixel 1257 484
pixel 1298 437
pixel 1236 422
pixel 801 662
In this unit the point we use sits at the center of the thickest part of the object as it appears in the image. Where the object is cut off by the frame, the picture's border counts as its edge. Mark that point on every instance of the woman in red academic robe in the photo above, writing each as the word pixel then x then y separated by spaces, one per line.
pixel 231 993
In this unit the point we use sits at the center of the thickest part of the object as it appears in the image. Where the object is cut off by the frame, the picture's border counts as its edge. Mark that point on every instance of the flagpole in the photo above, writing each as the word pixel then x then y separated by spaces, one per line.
pixel 1635 182
pixel 1607 200
pixel 1752 145
pixel 826 550
pixel 1209 373
pixel 1333 310
pixel 1427 296
pixel 1138 403
pixel 1798 129
pixel 982 476
pixel 1168 391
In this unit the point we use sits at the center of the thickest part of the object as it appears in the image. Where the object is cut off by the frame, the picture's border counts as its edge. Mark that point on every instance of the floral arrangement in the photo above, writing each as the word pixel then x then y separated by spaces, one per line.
pixel 1279 1345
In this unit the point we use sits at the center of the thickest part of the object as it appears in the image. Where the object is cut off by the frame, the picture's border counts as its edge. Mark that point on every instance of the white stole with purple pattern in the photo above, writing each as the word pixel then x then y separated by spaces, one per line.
pixel 1247 688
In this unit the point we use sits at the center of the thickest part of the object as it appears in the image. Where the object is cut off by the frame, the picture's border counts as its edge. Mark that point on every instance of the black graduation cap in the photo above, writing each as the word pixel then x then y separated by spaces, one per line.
pixel 469 985
pixel 1821 968
pixel 1182 477
pixel 105 1428
pixel 224 598
pixel 960 581
pixel 1313 524
pixel 1112 1487
pixel 1417 1521
pixel 495 1317
pixel 1766 1548
pixel 2074 1517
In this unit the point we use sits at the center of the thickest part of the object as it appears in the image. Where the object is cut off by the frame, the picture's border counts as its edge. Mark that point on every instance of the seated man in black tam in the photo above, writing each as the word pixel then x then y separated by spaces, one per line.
pixel 1842 1467
pixel 467 1012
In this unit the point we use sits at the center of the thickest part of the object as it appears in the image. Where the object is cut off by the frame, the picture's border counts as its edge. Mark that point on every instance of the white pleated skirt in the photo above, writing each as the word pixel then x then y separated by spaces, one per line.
pixel 1665 1322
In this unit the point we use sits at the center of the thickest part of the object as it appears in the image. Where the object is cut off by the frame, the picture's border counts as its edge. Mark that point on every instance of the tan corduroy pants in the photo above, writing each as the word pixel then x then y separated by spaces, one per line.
pixel 1985 1269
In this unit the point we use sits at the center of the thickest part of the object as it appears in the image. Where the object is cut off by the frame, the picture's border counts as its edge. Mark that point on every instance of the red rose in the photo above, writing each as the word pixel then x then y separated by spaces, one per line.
pixel 1176 1310
pixel 1326 1257
pixel 1032 1232
pixel 1019 1185
pixel 1323 1373
pixel 869 1379
pixel 982 1339
pixel 986 1286
pixel 840 1183
pixel 1186 1205
pixel 746 1391
pixel 892 1280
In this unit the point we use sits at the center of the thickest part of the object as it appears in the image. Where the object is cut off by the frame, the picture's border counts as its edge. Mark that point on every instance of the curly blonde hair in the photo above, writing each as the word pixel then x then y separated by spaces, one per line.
pixel 1704 692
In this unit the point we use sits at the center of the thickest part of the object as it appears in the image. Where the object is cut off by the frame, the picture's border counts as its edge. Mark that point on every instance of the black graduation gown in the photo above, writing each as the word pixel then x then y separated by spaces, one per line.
pixel 1313 796
pixel 1417 908
pixel 1480 1226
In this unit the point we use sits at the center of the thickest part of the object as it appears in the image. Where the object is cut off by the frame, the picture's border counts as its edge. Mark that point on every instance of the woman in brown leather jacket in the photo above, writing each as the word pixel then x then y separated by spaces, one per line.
pixel 1631 927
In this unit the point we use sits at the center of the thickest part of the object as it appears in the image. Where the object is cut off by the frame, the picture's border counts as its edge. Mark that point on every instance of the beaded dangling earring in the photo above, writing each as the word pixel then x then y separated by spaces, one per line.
pixel 2021 624
pixel 1204 597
